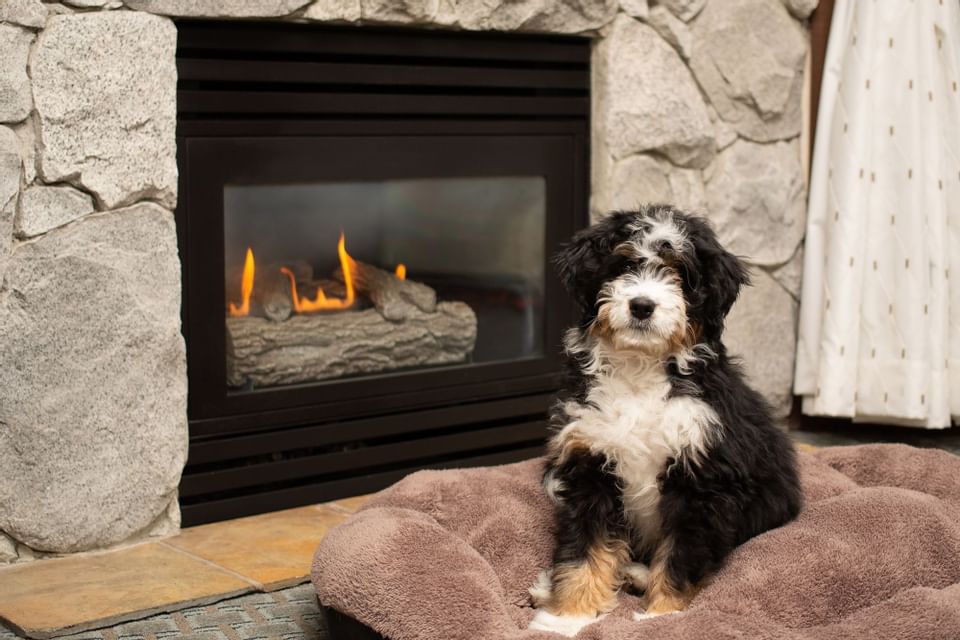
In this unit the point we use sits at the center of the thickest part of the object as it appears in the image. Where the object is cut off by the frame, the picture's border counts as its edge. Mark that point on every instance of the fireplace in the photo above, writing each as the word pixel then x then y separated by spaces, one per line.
pixel 366 218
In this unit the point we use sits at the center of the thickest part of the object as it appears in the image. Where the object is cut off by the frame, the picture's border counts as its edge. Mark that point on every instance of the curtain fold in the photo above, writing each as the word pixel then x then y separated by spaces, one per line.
pixel 879 334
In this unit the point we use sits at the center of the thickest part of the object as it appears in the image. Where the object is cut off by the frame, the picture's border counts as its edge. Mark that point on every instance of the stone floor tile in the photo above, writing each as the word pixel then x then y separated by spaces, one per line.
pixel 68 595
pixel 272 630
pixel 274 549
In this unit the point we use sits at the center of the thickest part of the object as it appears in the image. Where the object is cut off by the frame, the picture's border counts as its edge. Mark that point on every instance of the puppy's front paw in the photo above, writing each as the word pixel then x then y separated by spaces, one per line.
pixel 540 590
pixel 637 575
pixel 643 615
pixel 566 625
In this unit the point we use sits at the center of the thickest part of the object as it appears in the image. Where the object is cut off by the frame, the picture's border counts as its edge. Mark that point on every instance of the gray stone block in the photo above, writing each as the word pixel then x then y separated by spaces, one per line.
pixel 790 275
pixel 15 98
pixel 646 98
pixel 672 29
pixel 520 15
pixel 748 56
pixel 430 12
pixel 28 148
pixel 92 382
pixel 90 4
pixel 757 200
pixel 8 549
pixel 105 90
pixel 762 330
pixel 219 8
pixel 27 13
pixel 45 208
pixel 686 10
pixel 639 9
pixel 801 9
pixel 643 179
pixel 724 133
pixel 10 165
pixel 334 11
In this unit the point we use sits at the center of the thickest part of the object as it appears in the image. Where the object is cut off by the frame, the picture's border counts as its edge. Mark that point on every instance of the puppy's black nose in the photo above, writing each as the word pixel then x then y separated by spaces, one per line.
pixel 642 308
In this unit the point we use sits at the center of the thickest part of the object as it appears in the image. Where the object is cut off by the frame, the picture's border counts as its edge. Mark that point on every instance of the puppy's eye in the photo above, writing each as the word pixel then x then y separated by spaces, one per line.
pixel 669 254
pixel 615 264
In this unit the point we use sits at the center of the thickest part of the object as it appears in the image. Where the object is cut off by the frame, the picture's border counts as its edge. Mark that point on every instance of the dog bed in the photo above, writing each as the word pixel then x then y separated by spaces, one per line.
pixel 874 554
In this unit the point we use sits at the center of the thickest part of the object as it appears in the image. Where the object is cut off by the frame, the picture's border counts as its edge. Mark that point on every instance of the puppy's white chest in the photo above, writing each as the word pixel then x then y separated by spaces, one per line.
pixel 635 423
pixel 630 419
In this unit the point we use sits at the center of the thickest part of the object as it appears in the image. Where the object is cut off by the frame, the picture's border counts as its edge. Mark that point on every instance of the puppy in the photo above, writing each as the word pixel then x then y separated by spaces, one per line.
pixel 663 459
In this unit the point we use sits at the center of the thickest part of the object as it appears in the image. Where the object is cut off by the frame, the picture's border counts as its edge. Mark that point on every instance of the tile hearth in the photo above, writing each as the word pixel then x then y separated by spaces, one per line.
pixel 200 566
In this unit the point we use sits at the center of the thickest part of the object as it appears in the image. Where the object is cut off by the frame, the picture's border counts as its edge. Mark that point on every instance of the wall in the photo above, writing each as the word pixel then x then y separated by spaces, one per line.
pixel 696 102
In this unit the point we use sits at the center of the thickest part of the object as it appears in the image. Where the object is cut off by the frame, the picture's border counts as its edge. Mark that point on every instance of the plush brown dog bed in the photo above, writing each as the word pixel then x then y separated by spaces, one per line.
pixel 450 554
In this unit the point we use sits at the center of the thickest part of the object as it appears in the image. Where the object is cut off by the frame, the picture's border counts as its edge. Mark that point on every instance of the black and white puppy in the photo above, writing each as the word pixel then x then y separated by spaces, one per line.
pixel 663 459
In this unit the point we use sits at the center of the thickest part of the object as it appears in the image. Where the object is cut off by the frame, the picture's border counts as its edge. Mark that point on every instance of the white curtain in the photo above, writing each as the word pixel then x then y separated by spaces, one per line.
pixel 880 311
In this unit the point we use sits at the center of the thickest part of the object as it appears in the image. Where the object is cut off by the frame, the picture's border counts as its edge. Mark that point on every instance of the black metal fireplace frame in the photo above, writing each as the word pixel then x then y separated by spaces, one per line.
pixel 215 162
pixel 259 104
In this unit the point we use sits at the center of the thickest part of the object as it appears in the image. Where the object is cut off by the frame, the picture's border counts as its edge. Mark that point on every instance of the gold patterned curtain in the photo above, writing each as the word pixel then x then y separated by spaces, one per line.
pixel 880 311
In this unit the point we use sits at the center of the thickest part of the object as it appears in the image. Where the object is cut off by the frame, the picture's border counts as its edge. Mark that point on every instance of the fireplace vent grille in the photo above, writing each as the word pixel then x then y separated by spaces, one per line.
pixel 266 471
pixel 243 70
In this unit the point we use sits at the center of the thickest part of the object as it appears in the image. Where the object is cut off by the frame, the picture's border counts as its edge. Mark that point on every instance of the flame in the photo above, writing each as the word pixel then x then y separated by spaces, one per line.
pixel 401 271
pixel 321 302
pixel 246 287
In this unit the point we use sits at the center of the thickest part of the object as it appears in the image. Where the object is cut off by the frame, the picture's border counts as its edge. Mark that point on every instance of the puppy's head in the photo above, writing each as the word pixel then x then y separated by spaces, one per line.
pixel 654 280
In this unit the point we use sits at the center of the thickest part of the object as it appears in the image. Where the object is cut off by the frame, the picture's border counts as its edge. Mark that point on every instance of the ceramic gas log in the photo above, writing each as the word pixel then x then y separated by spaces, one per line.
pixel 308 348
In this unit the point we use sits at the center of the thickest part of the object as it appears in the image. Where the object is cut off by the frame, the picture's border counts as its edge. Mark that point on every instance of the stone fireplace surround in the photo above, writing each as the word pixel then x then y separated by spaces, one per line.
pixel 696 102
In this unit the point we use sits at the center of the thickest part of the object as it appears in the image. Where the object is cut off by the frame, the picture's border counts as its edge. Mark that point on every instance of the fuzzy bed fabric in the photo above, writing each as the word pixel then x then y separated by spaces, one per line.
pixel 875 554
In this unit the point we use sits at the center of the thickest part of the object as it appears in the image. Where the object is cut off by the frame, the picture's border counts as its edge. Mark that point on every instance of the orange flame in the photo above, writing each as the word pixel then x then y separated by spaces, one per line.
pixel 401 271
pixel 246 287
pixel 321 302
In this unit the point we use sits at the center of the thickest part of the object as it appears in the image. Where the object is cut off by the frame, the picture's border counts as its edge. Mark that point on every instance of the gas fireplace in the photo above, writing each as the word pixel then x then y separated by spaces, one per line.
pixel 366 219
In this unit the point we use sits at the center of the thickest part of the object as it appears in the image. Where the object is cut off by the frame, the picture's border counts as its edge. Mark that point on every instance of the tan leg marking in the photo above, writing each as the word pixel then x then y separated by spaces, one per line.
pixel 663 596
pixel 589 587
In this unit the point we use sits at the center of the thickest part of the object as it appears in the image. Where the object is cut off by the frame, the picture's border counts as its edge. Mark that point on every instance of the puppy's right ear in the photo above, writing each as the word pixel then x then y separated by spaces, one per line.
pixel 582 262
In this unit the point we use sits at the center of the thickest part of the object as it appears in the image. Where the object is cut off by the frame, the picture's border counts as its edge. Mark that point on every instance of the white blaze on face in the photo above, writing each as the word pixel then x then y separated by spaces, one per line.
pixel 656 333
pixel 652 235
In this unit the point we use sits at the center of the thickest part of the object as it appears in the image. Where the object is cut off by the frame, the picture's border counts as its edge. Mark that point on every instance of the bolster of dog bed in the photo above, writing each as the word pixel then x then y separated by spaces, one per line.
pixel 874 554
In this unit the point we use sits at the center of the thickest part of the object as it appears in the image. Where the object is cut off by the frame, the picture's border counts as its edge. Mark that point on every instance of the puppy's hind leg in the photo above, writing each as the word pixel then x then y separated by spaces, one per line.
pixel 668 591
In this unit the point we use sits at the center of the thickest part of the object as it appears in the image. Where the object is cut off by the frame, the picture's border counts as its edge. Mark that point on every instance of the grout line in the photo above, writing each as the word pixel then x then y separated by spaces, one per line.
pixel 256 585
pixel 81 555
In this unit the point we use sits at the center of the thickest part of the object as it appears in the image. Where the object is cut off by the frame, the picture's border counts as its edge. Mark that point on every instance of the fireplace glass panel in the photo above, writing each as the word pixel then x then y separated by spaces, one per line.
pixel 343 279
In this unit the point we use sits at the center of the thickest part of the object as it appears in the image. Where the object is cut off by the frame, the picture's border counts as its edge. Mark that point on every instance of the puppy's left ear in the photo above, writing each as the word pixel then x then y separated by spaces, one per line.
pixel 581 263
pixel 720 276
